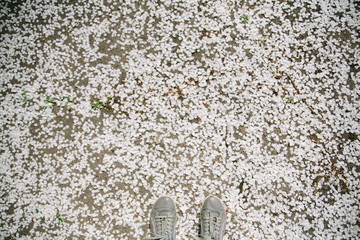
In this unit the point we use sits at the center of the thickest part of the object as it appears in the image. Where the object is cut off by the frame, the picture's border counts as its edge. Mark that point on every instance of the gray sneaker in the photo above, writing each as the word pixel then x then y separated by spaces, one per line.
pixel 163 220
pixel 212 219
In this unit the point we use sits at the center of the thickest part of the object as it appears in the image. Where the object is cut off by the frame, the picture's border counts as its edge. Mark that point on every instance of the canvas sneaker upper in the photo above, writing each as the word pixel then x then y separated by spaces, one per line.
pixel 212 219
pixel 163 220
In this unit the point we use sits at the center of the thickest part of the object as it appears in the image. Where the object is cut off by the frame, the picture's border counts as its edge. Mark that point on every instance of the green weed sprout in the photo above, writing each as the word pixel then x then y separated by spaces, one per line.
pixel 67 103
pixel 97 104
pixel 60 219
pixel 50 103
pixel 245 18
pixel 289 100
pixel 25 99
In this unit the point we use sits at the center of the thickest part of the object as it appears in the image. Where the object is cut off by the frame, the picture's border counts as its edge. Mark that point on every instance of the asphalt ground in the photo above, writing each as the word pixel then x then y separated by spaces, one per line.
pixel 108 105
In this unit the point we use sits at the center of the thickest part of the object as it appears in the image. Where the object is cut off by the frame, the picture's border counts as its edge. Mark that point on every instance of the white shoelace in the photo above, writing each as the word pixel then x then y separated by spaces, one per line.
pixel 211 230
pixel 163 226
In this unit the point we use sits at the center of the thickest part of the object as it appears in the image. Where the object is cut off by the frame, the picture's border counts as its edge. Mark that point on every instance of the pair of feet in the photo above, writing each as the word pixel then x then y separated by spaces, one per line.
pixel 211 222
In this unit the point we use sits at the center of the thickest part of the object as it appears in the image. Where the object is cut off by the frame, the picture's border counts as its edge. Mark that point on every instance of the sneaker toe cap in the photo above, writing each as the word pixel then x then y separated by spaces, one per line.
pixel 165 202
pixel 213 203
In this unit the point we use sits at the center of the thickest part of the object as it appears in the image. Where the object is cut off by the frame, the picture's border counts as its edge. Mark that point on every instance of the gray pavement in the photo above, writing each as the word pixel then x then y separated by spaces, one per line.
pixel 108 105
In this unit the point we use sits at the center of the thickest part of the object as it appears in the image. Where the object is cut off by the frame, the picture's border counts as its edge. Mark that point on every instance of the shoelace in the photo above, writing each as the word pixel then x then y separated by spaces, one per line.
pixel 163 226
pixel 211 231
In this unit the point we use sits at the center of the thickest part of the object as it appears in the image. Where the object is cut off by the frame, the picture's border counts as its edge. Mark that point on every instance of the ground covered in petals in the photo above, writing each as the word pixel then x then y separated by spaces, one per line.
pixel 108 105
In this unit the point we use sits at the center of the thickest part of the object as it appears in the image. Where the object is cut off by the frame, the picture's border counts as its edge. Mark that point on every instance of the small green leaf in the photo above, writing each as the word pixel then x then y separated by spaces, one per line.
pixel 49 102
pixel 108 100
pixel 68 107
pixel 60 219
pixel 25 99
pixel 289 100
pixel 245 18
